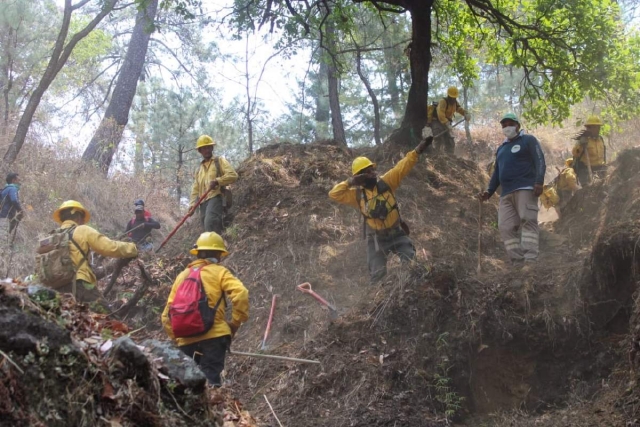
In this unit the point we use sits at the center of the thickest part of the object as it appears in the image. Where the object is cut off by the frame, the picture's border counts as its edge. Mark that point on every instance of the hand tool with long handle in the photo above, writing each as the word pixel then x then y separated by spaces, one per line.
pixel 306 289
pixel 453 125
pixel 266 332
pixel 270 356
pixel 479 268
pixel 191 211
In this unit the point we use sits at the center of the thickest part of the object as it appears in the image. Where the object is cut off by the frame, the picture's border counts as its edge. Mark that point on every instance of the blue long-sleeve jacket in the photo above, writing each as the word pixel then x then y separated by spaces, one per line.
pixel 519 164
pixel 9 201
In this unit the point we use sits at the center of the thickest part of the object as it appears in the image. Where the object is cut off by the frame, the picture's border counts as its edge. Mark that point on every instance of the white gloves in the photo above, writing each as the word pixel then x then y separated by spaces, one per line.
pixel 426 132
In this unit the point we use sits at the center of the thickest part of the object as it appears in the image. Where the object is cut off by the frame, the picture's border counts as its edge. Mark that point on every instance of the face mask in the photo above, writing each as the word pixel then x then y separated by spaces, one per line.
pixel 212 260
pixel 509 132
pixel 370 182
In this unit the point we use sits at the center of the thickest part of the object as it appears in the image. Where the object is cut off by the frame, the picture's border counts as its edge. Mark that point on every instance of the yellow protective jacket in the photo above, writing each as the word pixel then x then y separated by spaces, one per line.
pixel 446 111
pixel 342 193
pixel 89 240
pixel 595 148
pixel 567 180
pixel 215 279
pixel 206 173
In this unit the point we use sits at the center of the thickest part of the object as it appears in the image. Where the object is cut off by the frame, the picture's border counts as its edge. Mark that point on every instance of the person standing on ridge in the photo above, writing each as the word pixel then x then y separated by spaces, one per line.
pixel 519 170
pixel 441 116
pixel 208 344
pixel 374 197
pixel 590 152
pixel 140 227
pixel 213 174
pixel 11 212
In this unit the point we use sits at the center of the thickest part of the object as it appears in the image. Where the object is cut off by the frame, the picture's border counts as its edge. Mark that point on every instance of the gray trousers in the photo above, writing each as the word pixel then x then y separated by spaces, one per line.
pixel 393 241
pixel 445 141
pixel 211 213
pixel 518 224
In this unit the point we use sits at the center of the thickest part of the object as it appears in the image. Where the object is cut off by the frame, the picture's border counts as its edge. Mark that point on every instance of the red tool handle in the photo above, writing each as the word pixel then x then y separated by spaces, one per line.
pixel 306 288
pixel 266 332
pixel 191 211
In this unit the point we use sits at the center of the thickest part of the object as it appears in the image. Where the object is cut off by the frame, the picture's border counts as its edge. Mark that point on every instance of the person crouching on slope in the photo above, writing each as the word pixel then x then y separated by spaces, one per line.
pixel 519 170
pixel 375 198
pixel 72 216
pixel 202 333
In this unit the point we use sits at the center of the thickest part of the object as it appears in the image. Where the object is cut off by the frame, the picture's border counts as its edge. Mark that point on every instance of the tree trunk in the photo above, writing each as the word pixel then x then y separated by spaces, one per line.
pixel 106 139
pixel 7 78
pixel 372 95
pixel 391 69
pixel 334 91
pixel 465 102
pixel 179 172
pixel 323 110
pixel 138 159
pixel 415 116
pixel 58 58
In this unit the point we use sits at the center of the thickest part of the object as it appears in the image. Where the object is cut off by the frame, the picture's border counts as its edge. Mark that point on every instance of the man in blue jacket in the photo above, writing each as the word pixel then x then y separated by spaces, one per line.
pixel 519 170
pixel 10 207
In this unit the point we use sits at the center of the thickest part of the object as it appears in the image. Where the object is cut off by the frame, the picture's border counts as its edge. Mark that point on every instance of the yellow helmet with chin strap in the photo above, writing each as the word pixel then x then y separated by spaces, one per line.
pixel 75 207
pixel 360 163
pixel 204 141
pixel 593 120
pixel 209 241
pixel 452 92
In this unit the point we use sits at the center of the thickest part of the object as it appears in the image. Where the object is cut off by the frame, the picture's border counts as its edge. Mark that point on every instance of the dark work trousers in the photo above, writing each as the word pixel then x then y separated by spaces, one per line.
pixel 209 354
pixel 445 141
pixel 583 173
pixel 211 212
pixel 390 241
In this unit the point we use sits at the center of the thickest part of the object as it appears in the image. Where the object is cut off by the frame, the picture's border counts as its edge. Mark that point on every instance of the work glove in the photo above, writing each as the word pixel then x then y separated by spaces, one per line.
pixel 358 180
pixel 484 196
pixel 467 117
pixel 213 185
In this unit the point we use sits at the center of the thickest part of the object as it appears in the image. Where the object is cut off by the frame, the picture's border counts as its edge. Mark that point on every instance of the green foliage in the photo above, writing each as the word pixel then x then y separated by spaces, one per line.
pixel 442 381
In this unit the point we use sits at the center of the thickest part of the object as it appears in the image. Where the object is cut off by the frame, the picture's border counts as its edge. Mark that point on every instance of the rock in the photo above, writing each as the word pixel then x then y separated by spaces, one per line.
pixel 40 293
pixel 130 362
pixel 177 365
pixel 21 332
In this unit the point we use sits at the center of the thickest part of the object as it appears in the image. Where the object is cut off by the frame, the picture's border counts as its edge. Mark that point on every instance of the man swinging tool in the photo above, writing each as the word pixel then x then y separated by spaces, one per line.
pixel 440 117
pixel 385 230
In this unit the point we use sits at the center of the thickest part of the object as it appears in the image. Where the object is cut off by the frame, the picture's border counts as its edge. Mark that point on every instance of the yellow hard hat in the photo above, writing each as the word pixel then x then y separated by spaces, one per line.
pixel 593 121
pixel 569 162
pixel 204 141
pixel 209 241
pixel 360 163
pixel 452 92
pixel 75 206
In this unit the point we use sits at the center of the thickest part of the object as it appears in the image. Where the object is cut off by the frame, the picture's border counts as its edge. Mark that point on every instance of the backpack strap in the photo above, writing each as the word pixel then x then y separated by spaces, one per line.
pixel 84 258
pixel 198 271
pixel 382 187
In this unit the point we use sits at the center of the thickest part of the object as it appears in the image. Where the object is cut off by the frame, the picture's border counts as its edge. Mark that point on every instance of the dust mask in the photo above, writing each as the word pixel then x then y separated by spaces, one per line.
pixel 212 260
pixel 510 132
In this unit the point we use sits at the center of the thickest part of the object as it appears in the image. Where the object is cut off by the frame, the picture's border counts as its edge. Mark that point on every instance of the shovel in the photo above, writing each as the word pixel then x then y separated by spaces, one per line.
pixel 306 289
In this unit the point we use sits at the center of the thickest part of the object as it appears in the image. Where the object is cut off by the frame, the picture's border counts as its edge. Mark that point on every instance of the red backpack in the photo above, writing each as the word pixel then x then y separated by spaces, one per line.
pixel 189 312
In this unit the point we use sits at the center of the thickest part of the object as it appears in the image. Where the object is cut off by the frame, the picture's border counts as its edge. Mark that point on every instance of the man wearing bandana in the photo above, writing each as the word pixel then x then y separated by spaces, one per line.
pixel 374 197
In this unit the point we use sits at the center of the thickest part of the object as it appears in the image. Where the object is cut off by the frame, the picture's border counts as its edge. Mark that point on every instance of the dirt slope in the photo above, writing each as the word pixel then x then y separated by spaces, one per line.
pixel 435 342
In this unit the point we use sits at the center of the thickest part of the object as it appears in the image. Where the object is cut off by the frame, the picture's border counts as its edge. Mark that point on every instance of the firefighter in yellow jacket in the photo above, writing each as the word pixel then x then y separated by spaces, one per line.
pixel 559 192
pixel 213 174
pixel 590 152
pixel 209 349
pixel 375 199
pixel 441 117
pixel 71 214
